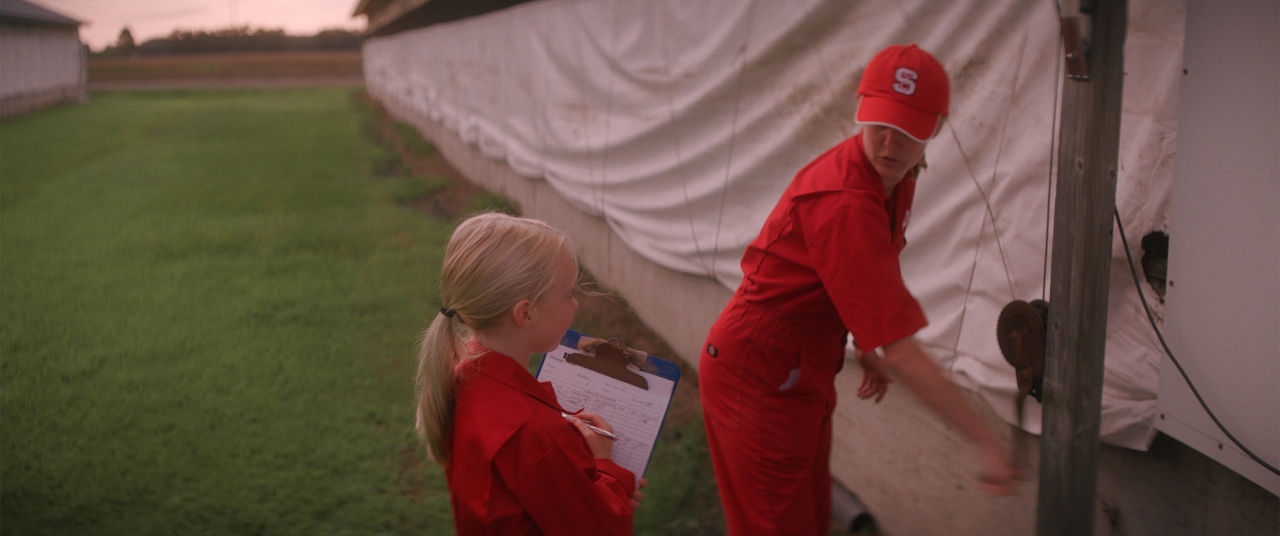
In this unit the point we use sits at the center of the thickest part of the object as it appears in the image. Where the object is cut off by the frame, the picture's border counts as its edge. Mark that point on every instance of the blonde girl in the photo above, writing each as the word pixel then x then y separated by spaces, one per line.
pixel 513 463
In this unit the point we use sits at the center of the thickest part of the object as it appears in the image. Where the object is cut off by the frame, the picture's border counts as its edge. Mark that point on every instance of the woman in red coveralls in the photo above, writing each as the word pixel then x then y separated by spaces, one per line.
pixel 824 266
pixel 514 464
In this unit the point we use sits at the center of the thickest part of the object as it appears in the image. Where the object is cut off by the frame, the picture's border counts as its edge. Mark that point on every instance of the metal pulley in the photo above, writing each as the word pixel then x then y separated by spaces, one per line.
pixel 1020 331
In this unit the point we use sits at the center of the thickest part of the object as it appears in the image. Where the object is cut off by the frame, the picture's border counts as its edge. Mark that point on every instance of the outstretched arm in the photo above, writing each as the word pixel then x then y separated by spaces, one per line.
pixel 906 359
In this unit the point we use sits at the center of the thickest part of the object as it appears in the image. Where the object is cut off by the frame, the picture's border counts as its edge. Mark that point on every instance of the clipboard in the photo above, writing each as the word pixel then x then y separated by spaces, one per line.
pixel 631 389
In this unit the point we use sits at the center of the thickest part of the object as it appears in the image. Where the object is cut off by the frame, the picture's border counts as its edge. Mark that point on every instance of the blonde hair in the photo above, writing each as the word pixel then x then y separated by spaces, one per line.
pixel 922 165
pixel 491 263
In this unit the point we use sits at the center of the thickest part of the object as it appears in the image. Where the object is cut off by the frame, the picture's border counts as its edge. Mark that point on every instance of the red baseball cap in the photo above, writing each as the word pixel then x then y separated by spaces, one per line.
pixel 905 88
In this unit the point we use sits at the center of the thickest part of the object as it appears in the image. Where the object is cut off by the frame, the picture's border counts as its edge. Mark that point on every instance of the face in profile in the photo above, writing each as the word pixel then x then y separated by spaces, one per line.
pixel 553 312
pixel 892 153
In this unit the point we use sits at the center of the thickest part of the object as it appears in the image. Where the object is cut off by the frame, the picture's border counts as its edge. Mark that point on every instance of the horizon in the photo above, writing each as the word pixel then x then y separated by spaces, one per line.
pixel 151 19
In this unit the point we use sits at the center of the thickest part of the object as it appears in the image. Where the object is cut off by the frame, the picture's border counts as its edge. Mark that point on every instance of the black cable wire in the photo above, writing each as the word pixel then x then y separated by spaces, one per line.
pixel 1151 318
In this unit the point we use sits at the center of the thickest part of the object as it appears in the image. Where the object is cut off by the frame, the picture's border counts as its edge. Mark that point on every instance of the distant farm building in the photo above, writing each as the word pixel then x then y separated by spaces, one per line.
pixel 42 61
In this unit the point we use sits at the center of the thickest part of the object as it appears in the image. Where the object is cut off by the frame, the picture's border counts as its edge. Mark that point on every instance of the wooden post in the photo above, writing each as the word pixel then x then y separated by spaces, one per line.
pixel 1077 330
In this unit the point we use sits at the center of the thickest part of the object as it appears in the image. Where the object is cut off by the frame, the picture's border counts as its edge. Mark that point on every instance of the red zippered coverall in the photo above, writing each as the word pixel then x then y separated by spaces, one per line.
pixel 825 265
pixel 520 468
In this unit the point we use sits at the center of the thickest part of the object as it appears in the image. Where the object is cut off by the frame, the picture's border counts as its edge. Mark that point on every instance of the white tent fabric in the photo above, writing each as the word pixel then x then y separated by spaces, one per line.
pixel 680 123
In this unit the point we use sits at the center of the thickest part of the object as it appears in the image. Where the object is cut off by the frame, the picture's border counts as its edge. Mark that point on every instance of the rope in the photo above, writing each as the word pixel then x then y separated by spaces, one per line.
pixel 733 132
pixel 986 200
pixel 708 270
pixel 608 119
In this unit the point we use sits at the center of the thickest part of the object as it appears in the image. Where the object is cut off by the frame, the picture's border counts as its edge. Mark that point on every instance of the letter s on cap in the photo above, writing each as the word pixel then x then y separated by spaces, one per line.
pixel 906 81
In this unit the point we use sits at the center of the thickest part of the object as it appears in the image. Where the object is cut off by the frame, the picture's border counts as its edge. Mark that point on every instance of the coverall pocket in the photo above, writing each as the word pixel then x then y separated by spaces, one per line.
pixel 720 382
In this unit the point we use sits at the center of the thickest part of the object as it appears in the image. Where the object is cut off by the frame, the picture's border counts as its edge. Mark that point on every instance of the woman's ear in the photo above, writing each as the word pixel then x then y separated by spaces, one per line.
pixel 522 313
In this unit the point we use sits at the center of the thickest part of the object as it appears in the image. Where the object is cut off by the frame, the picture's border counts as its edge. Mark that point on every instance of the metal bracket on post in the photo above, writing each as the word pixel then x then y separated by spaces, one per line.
pixel 1074 47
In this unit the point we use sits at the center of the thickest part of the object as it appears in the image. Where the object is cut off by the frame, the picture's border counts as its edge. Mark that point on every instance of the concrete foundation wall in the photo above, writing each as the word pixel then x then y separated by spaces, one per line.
pixel 23 103
pixel 913 472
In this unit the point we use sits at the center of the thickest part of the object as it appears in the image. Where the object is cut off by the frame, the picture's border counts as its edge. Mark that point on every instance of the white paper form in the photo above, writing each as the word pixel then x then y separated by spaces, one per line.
pixel 635 414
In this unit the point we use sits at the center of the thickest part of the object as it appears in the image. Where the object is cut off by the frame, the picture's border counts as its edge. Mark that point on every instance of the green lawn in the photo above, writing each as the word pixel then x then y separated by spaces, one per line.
pixel 209 303
pixel 209 310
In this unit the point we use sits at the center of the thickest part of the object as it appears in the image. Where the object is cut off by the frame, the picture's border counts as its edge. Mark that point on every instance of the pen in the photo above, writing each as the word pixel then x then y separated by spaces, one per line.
pixel 612 436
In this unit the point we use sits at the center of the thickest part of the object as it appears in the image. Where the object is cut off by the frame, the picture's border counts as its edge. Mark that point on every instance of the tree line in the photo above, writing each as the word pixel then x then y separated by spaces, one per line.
pixel 236 39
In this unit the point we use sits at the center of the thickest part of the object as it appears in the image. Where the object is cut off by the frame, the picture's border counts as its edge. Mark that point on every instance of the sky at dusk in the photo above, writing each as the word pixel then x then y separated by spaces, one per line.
pixel 148 19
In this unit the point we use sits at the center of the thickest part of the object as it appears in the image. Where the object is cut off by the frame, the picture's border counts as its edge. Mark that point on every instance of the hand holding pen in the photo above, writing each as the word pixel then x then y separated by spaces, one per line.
pixel 596 431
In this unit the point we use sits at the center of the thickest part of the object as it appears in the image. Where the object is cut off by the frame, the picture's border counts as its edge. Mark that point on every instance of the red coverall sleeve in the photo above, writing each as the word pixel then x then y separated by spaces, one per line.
pixel 564 489
pixel 851 249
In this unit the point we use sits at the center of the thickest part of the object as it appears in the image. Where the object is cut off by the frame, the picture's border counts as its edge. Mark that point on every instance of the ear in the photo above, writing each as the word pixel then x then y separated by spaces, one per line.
pixel 522 313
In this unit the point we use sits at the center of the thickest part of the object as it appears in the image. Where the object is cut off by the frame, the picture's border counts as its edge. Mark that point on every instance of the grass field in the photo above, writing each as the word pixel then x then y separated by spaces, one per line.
pixel 209 302
pixel 258 65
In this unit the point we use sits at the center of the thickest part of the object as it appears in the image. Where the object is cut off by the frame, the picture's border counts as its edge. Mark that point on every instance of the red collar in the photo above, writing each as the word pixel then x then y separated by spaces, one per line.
pixel 505 370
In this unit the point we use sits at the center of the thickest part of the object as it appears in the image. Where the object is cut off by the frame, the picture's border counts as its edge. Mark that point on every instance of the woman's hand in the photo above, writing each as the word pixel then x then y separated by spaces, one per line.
pixel 998 469
pixel 875 376
pixel 601 446
pixel 638 495
pixel 911 365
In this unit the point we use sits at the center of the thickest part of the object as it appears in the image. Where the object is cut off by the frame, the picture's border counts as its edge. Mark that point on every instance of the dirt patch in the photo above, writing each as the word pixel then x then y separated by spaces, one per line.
pixel 227 66
pixel 226 83
pixel 316 68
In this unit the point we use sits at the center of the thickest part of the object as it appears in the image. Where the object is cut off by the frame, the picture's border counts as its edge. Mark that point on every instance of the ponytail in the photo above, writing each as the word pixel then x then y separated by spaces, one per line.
pixel 438 356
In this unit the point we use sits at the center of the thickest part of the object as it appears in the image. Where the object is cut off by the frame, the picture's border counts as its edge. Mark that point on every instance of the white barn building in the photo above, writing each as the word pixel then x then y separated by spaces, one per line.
pixel 42 61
